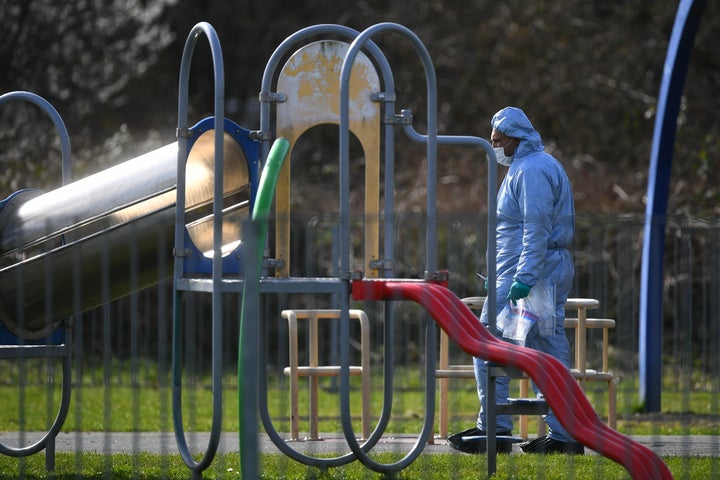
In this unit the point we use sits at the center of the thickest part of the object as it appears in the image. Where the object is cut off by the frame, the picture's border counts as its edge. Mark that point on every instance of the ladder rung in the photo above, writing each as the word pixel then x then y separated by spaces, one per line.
pixel 522 406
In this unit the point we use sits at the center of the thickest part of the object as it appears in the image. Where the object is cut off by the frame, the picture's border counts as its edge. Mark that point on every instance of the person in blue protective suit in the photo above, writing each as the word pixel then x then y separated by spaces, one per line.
pixel 535 228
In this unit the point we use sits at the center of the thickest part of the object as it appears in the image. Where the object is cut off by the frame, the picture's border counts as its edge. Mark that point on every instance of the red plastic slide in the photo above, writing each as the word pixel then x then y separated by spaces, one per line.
pixel 560 389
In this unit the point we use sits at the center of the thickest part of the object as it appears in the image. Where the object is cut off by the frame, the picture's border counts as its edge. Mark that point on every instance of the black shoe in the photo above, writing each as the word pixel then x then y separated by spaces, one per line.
pixel 544 445
pixel 474 440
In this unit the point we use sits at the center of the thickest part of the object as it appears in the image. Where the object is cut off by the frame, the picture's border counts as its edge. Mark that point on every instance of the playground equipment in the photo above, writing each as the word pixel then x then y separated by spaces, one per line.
pixel 579 369
pixel 205 208
pixel 652 279
pixel 59 345
pixel 95 230
pixel 346 85
pixel 448 311
pixel 100 219
pixel 557 384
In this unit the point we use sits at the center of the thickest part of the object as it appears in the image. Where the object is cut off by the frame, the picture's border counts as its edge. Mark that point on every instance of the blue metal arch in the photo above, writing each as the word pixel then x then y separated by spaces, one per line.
pixel 651 286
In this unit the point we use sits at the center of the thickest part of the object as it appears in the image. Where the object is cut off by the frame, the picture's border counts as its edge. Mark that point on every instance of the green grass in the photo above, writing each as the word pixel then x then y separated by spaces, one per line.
pixel 126 409
pixel 275 466
pixel 122 407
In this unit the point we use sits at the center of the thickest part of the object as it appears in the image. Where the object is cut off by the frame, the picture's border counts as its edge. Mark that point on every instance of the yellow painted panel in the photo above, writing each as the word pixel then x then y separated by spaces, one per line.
pixel 311 81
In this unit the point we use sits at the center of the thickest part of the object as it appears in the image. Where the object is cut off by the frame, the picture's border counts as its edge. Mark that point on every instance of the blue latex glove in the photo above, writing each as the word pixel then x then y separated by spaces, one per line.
pixel 518 290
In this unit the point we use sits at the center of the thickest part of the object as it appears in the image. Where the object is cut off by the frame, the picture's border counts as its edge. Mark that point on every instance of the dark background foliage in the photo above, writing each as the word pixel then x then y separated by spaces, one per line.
pixel 586 72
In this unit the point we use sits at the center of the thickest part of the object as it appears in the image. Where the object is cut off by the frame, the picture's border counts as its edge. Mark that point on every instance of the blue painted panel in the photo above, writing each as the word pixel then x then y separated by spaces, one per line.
pixel 196 262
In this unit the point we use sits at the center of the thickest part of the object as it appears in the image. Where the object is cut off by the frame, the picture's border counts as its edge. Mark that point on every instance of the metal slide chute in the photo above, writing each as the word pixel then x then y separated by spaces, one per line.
pixel 97 222
pixel 559 388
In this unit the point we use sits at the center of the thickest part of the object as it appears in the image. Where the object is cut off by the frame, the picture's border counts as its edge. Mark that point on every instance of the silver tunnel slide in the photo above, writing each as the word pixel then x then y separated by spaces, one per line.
pixel 106 235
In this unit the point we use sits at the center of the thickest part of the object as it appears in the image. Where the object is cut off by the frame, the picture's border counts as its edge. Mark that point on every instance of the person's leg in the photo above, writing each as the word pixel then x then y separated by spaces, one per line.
pixel 558 440
pixel 558 347
pixel 503 422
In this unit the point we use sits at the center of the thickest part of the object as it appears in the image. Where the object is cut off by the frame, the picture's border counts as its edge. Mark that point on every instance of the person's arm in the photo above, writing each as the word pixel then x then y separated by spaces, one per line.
pixel 536 201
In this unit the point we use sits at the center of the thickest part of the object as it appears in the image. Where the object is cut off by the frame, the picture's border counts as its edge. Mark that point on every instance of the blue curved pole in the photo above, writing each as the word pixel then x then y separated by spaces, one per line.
pixel 651 280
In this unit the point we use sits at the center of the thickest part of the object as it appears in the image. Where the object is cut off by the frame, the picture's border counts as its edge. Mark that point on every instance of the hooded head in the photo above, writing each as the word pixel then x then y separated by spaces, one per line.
pixel 513 122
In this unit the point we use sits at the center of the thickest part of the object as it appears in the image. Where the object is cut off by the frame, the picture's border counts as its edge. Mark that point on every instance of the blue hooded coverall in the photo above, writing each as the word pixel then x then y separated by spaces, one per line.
pixel 535 227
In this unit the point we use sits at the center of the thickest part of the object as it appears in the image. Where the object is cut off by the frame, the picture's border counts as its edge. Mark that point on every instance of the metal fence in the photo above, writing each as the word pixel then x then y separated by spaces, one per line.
pixel 121 351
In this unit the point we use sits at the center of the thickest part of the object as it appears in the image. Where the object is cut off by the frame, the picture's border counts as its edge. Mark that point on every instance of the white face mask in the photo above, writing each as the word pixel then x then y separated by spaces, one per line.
pixel 503 159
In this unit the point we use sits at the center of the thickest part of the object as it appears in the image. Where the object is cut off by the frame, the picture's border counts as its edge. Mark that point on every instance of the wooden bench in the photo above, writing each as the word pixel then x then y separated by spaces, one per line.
pixel 580 324
pixel 313 370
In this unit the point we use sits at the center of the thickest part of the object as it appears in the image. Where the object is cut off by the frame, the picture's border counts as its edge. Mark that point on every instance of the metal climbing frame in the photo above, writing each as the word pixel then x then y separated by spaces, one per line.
pixel 199 265
pixel 291 125
pixel 431 273
pixel 353 59
pixel 53 346
pixel 182 133
pixel 431 292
